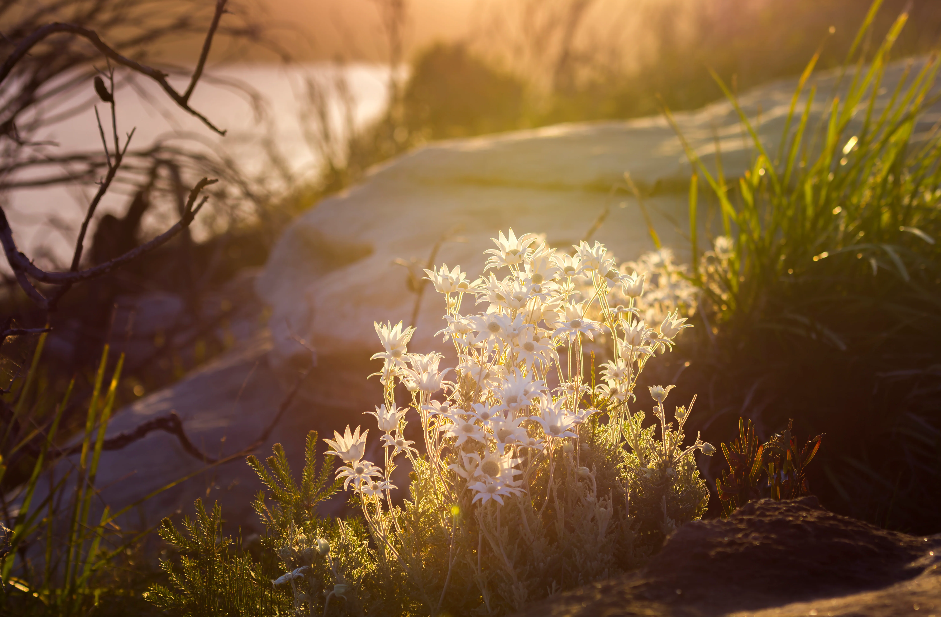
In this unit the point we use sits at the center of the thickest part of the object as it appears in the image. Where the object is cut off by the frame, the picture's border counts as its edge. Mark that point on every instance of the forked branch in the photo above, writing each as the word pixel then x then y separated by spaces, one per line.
pixel 181 99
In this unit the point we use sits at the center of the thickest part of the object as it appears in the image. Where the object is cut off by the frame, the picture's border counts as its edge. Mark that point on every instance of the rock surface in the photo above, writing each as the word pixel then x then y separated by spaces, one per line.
pixel 771 559
pixel 331 275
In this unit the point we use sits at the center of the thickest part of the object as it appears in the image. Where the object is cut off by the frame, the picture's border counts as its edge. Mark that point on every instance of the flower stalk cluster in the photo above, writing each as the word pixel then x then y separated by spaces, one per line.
pixel 513 410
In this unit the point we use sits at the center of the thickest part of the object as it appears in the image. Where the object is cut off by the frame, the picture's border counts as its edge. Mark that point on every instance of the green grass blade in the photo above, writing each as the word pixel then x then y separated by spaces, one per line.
pixel 693 194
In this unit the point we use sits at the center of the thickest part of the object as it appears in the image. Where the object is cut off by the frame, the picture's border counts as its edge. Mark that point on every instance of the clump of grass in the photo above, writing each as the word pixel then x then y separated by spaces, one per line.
pixel 824 288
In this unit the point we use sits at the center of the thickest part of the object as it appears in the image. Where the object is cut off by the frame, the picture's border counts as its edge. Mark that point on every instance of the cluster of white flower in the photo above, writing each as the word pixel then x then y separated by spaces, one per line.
pixel 511 389
pixel 668 288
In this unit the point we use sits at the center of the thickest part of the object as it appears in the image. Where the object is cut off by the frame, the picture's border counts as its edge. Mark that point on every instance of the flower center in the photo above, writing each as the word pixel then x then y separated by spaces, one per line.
pixel 468 428
pixel 503 434
pixel 490 468
pixel 397 352
pixel 569 270
pixel 491 488
pixel 359 470
pixel 555 429
pixel 529 346
pixel 399 443
pixel 575 323
pixel 512 399
pixel 493 327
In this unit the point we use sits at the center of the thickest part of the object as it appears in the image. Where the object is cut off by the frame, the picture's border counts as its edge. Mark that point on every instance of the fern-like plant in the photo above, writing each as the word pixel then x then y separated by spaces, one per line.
pixel 210 578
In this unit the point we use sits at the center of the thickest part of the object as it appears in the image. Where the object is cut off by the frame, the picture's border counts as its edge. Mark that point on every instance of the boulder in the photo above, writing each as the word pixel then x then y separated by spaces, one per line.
pixel 334 271
pixel 771 559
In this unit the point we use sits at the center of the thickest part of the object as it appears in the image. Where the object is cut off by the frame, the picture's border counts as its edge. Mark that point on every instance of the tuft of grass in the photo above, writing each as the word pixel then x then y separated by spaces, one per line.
pixel 823 293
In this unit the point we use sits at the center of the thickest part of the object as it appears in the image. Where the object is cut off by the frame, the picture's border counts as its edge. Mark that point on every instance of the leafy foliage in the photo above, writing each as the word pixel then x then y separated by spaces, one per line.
pixel 775 469
pixel 210 579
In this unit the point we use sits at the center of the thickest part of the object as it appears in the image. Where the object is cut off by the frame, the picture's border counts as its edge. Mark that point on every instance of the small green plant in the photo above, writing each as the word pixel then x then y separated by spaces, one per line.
pixel 62 578
pixel 776 469
pixel 210 579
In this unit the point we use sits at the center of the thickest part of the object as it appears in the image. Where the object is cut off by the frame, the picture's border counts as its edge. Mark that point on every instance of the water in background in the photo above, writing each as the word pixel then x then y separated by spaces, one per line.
pixel 276 113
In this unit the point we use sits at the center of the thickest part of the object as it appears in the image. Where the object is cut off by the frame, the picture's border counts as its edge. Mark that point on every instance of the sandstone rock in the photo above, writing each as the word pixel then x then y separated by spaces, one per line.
pixel 331 275
pixel 772 559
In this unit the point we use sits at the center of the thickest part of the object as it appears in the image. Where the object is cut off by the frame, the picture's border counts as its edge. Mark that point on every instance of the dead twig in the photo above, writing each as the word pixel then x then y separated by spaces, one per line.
pixel 23 268
pixel 181 99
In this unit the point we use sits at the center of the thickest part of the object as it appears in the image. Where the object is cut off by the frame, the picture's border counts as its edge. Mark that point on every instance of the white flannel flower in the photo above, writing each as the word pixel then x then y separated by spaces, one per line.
pixel 614 389
pixel 554 420
pixel 592 258
pixel 437 408
pixel 458 327
pixel 492 490
pixel 376 489
pixel 491 329
pixel 481 369
pixel 468 467
pixel 569 265
pixel 387 419
pixel 462 430
pixel 423 374
pixel 582 414
pixel 394 339
pixel 511 294
pixel 510 250
pixel 483 411
pixel 574 322
pixel 547 312
pixel 542 267
pixel 350 447
pixel 358 473
pixel 290 576
pixel 636 333
pixel 498 467
pixel 507 430
pixel 672 325
pixel 448 282
pixel 532 351
pixel 615 370
pixel 633 285
pixel 399 444
pixel 518 391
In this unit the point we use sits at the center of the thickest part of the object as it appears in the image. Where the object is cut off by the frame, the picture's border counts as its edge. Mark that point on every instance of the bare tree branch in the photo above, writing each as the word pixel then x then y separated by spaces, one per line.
pixel 22 266
pixel 40 34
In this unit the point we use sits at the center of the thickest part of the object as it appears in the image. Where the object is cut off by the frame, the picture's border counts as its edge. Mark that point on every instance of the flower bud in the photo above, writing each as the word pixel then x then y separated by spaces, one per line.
pixel 708 449
pixel 568 448
pixel 659 393
pixel 323 547
pixel 583 472
pixel 339 589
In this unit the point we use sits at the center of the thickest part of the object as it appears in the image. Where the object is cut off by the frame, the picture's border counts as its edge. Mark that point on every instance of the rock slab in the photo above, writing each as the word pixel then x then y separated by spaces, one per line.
pixel 772 559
